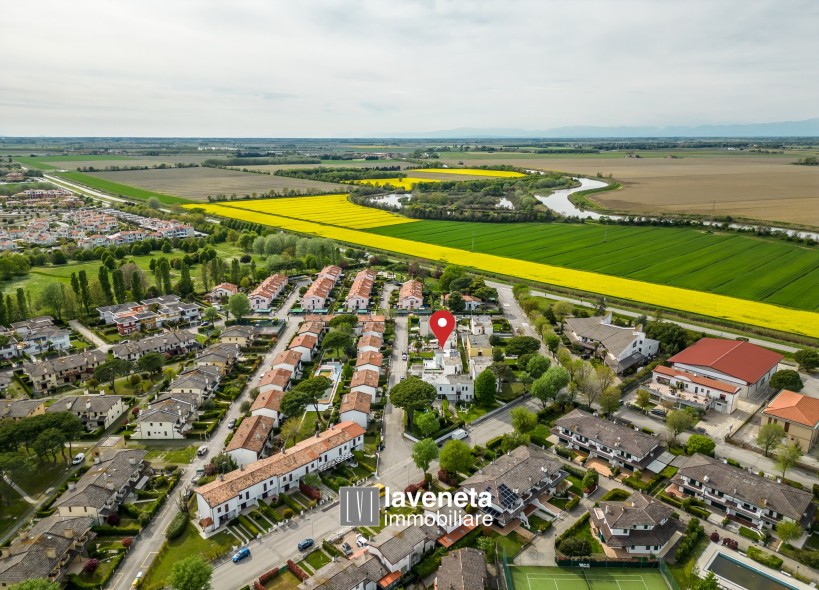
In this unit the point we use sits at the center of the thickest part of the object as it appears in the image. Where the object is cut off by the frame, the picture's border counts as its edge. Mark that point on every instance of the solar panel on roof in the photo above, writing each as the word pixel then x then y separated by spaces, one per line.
pixel 507 497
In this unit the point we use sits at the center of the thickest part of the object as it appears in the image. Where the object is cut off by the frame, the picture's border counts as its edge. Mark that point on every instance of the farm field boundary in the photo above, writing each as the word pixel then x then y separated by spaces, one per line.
pixel 708 304
pixel 117 189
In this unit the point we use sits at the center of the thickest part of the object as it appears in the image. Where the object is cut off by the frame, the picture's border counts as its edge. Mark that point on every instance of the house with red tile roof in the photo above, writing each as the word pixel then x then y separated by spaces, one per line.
pixel 251 441
pixel 682 388
pixel 306 345
pixel 261 298
pixel 317 293
pixel 268 403
pixel 222 290
pixel 355 407
pixel 732 361
pixel 359 295
pixel 370 343
pixel 365 381
pixel 799 416
pixel 277 379
pixel 369 360
pixel 290 360
pixel 411 295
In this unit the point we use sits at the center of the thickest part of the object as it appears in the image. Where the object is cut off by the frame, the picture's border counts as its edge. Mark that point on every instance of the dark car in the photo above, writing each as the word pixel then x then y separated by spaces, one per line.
pixel 658 412
pixel 305 544
pixel 241 554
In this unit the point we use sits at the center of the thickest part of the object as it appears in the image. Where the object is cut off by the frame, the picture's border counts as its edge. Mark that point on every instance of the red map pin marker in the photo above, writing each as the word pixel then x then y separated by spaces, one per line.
pixel 442 323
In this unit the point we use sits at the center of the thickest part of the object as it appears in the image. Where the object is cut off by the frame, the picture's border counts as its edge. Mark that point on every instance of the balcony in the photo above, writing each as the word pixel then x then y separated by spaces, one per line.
pixel 680 397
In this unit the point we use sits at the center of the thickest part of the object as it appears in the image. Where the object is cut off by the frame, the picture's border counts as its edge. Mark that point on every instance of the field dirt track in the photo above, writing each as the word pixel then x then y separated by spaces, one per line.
pixel 765 187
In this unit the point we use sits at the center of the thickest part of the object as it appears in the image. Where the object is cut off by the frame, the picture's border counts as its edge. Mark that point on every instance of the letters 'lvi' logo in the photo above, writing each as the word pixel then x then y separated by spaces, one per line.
pixel 359 506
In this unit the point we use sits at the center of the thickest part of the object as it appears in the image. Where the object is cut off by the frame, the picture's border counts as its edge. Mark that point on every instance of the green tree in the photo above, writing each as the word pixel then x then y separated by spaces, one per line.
pixel 561 309
pixel 676 422
pixel 643 399
pixel 22 304
pixel 523 420
pixel 290 430
pixel 85 298
pixel 191 573
pixel 412 394
pixel 110 370
pixel 512 440
pixel 52 298
pixel 769 436
pixel 552 342
pixel 610 401
pixel 163 276
pixel 787 379
pixel 423 453
pixel 344 320
pixel 450 274
pixel 537 366
pixel 788 530
pixel 153 203
pixel 12 465
pixel 120 291
pixel 486 386
pixel 211 314
pixel 137 286
pixel 186 287
pixel 697 443
pixel 338 341
pixel 522 345
pixel 49 442
pixel 151 362
pixel 307 393
pixel 709 582
pixel 590 479
pixel 239 305
pixel 427 424
pixel 549 384
pixel 36 584
pixel 456 457
pixel 807 358
pixel 787 456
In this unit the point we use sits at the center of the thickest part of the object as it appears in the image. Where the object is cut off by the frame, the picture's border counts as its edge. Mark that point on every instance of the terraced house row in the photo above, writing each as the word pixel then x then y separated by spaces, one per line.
pixel 317 293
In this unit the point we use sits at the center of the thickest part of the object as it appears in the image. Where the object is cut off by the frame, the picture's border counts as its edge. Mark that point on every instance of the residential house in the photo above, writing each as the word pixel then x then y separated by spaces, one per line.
pixel 524 476
pixel 262 297
pixel 316 328
pixel 108 312
pixel 619 347
pixel 370 343
pixel 268 403
pixel 276 380
pixel 39 335
pixel 16 409
pixel 199 381
pixel 371 361
pixel 411 295
pixel 46 550
pixel 639 525
pixel 290 360
pixel 622 446
pixel 455 388
pixel 169 417
pixel 251 440
pixel 481 325
pixel 462 569
pixel 94 411
pixel 750 499
pixel 358 297
pixel 346 574
pixel 799 416
pixel 53 373
pixel 731 361
pixel 478 345
pixel 331 272
pixel 373 328
pixel 471 303
pixel 220 501
pixel 222 356
pixel 306 345
pixel 101 489
pixel 223 291
pixel 167 343
pixel 682 389
pixel 242 336
pixel 401 549
pixel 317 293
pixel 365 381
pixel 355 407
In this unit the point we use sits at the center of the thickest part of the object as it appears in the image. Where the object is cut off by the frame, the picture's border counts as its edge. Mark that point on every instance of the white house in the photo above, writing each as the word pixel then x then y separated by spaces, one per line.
pixel 221 500
pixel 640 525
pixel 94 411
pixel 276 380
pixel 399 550
pixel 455 388
pixel 370 361
pixel 251 440
pixel 223 291
pixel 305 345
pixel 290 360
pixel 620 347
pixel 262 297
pixel 359 295
pixel 411 295
pixel 169 417
pixel 365 381
pixel 687 389
pixel 481 325
pixel 355 407
pixel 268 403
pixel 370 343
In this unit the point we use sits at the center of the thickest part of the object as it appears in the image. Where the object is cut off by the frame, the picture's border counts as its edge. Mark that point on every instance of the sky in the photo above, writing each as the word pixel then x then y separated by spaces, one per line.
pixel 346 68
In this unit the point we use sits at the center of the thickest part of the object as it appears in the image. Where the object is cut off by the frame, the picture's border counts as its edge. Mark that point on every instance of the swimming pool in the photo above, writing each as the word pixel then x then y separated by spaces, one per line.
pixel 744 575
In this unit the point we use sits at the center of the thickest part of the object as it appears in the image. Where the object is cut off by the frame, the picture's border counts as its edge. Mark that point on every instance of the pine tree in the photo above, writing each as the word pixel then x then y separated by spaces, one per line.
pixel 75 285
pixel 10 312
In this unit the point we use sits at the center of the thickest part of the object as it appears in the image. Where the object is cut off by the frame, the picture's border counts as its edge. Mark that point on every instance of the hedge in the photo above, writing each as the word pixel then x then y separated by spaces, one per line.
pixel 615 495
pixel 331 549
pixel 291 503
pixel 177 526
pixel 748 533
pixel 494 443
pixel 430 563
pixel 106 530
pixel 765 558
pixel 576 471
pixel 572 503
pixel 564 452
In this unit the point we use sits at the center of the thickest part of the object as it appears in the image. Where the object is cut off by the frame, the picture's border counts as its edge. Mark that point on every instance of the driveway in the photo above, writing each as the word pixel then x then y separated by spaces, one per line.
pixel 89 335
pixel 513 312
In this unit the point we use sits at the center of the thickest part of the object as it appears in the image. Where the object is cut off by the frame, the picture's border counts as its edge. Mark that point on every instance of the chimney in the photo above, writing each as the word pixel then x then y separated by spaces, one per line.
pixel 68 533
pixel 68 404
pixel 51 553
pixel 88 405
pixel 109 486
pixel 132 461
pixel 607 508
pixel 735 491
pixel 23 534
pixel 71 486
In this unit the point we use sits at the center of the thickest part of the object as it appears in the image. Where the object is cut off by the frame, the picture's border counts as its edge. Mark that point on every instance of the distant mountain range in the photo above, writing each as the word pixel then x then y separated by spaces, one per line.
pixel 806 128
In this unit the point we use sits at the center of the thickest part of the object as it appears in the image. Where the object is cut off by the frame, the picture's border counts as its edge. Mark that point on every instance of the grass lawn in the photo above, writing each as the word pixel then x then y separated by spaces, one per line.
pixel 473 413
pixel 510 391
pixel 284 581
pixel 812 542
pixel 42 477
pixel 308 427
pixel 177 456
pixel 317 559
pixel 11 506
pixel 511 544
pixel 584 532
pixel 190 543
pixel 558 578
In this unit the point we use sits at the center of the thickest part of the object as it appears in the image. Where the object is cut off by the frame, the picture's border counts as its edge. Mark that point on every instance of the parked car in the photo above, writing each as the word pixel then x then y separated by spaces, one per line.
pixel 459 434
pixel 232 423
pixel 345 547
pixel 241 554
pixel 79 459
pixel 658 412
pixel 361 541
pixel 305 544
pixel 138 580
pixel 202 451
pixel 404 356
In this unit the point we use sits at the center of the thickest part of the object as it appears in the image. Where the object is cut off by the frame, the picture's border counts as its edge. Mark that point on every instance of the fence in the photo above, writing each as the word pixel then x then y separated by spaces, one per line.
pixel 507 575
pixel 596 562
pixel 669 577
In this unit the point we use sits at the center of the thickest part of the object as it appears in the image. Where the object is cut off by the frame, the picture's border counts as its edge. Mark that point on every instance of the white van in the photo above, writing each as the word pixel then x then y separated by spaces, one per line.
pixel 202 451
pixel 459 434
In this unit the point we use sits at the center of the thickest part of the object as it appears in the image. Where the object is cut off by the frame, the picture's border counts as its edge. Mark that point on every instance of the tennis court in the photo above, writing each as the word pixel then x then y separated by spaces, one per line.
pixel 559 578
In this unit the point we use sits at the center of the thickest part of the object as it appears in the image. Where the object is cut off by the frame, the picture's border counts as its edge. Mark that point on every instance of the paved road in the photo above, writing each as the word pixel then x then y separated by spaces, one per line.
pixel 710 331
pixel 78 188
pixel 146 545
pixel 90 335
pixel 513 312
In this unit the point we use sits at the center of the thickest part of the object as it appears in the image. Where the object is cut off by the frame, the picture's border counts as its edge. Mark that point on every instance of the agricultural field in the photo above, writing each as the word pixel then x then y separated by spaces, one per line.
pixel 447 173
pixel 328 164
pixel 753 186
pixel 707 304
pixel 69 162
pixel 405 183
pixel 115 188
pixel 728 263
pixel 332 209
pixel 197 184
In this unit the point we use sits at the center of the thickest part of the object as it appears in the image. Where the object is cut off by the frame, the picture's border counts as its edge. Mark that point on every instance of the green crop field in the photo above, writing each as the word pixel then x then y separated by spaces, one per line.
pixel 117 189
pixel 560 578
pixel 727 263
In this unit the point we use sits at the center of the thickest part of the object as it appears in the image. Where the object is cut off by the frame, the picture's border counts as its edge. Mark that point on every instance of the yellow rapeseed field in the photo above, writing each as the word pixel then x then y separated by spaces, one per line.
pixel 471 172
pixel 332 209
pixel 405 183
pixel 708 304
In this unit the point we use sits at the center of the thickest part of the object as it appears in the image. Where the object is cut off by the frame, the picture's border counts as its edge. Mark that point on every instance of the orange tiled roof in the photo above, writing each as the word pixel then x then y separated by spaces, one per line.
pixel 795 407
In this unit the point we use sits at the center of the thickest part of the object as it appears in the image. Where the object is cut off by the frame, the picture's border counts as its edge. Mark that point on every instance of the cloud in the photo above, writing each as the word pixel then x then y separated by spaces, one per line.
pixel 327 68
